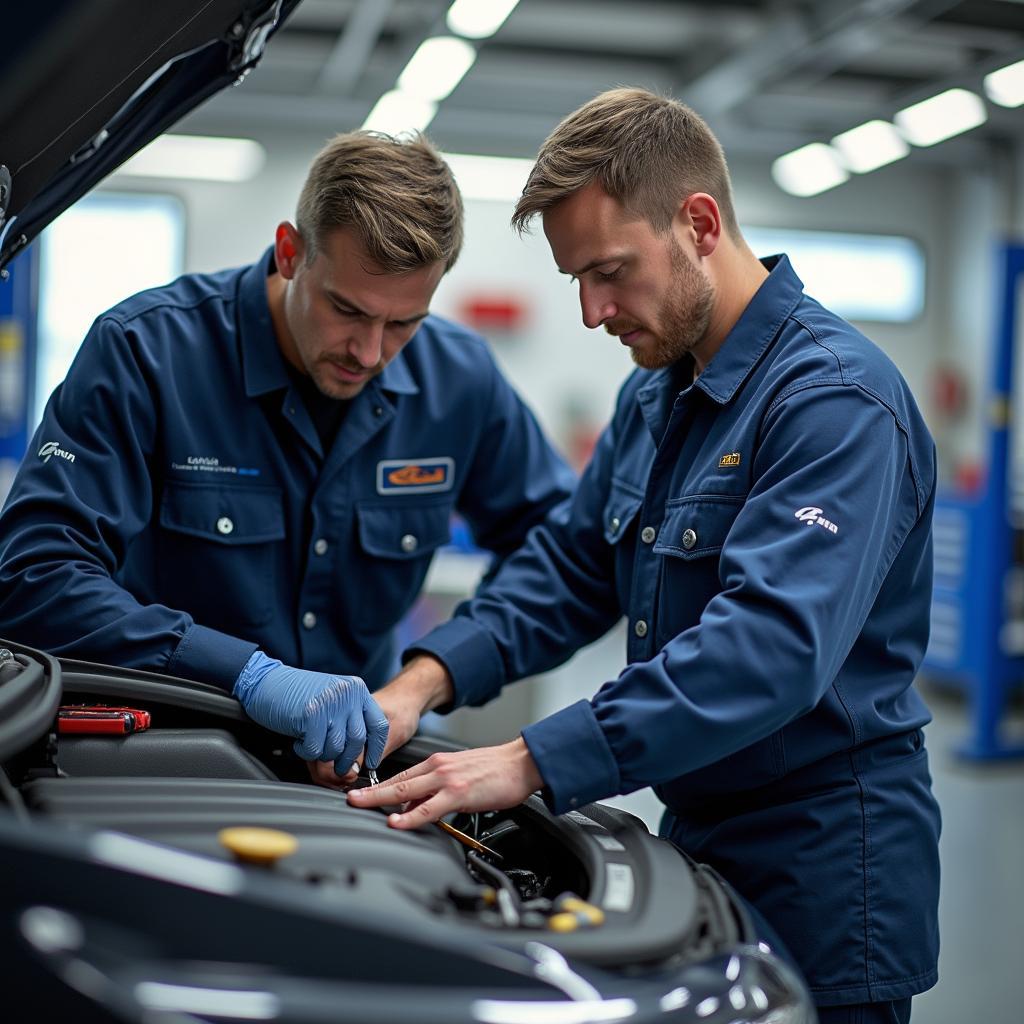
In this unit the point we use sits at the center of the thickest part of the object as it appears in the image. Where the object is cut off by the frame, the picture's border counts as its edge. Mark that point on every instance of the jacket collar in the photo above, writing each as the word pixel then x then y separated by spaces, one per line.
pixel 755 330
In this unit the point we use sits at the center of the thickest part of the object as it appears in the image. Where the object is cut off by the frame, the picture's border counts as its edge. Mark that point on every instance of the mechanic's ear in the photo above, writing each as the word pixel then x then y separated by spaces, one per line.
pixel 288 249
pixel 702 221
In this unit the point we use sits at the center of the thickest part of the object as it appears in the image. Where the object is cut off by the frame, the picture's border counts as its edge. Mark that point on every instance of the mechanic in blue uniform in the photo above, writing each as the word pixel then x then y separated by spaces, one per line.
pixel 245 475
pixel 760 510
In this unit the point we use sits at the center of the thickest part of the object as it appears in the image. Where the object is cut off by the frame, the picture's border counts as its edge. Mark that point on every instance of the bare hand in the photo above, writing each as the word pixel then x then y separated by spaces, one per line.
pixel 485 779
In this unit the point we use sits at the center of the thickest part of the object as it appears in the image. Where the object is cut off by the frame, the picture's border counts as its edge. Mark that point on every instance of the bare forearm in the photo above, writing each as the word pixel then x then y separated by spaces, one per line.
pixel 424 683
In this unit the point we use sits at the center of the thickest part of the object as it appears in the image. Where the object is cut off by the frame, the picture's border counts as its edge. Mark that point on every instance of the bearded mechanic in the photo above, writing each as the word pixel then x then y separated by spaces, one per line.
pixel 264 460
pixel 759 509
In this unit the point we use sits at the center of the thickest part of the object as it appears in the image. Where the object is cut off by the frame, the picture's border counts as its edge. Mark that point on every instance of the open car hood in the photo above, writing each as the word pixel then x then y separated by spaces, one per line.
pixel 87 83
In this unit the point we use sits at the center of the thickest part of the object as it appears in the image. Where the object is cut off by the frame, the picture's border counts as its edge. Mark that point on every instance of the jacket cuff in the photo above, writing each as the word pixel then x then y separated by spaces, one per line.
pixel 209 656
pixel 573 758
pixel 471 656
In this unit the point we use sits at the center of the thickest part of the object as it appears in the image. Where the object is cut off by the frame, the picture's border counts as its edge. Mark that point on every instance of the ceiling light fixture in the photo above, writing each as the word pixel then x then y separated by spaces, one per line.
pixel 397 111
pixel 203 157
pixel 477 19
pixel 809 170
pixel 941 117
pixel 436 67
pixel 870 145
pixel 1006 86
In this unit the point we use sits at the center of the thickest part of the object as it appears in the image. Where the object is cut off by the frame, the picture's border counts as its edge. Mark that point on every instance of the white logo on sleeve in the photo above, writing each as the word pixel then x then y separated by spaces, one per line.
pixel 52 448
pixel 811 514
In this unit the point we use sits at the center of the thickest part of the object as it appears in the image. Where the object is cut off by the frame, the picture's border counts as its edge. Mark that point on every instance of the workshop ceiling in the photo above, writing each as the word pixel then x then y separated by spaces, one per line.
pixel 769 75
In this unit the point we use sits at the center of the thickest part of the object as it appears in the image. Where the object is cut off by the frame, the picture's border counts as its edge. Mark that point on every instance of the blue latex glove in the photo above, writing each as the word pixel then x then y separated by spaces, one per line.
pixel 334 717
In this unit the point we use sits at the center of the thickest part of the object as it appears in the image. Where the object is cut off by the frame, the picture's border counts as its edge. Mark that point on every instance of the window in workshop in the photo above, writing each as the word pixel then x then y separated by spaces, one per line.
pixel 103 249
pixel 876 278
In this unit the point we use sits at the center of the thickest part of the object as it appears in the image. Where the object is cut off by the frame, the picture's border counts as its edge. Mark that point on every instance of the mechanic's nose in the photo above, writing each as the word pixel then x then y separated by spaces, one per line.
pixel 368 346
pixel 596 308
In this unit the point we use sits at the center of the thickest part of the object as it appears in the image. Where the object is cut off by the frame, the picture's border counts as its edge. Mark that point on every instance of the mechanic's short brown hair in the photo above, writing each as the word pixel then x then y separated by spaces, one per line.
pixel 398 193
pixel 647 151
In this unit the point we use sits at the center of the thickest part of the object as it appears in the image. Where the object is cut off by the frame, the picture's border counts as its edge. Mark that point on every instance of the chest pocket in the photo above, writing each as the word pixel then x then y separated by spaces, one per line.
pixel 406 535
pixel 403 532
pixel 696 527
pixel 620 512
pixel 692 534
pixel 217 556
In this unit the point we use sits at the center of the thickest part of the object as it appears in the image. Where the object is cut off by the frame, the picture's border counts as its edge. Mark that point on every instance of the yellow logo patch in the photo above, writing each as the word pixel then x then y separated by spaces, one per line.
pixel 732 459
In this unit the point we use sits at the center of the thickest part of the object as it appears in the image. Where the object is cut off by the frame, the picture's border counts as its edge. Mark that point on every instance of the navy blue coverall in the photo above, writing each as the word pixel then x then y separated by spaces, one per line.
pixel 176 508
pixel 766 530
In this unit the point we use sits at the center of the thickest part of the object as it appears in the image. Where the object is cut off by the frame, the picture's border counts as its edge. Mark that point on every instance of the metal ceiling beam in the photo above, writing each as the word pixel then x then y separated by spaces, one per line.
pixel 344 67
pixel 796 36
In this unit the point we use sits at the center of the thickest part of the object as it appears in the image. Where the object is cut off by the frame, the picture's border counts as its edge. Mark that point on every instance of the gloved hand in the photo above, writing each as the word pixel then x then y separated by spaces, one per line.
pixel 334 717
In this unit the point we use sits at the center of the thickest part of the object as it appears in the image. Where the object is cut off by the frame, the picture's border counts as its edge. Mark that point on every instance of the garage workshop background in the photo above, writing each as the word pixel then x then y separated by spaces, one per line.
pixel 836 158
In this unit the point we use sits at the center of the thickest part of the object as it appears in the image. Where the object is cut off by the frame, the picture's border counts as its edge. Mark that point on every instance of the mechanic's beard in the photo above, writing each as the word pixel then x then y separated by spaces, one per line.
pixel 685 317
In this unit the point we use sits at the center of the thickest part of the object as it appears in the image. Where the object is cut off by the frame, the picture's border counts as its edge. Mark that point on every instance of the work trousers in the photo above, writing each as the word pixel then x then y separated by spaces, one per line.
pixel 895 1012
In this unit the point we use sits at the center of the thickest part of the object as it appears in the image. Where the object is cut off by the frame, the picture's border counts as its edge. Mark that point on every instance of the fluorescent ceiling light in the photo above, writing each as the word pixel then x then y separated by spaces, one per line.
pixel 870 145
pixel 489 177
pixel 479 18
pixel 941 117
pixel 1006 86
pixel 396 112
pixel 197 156
pixel 437 67
pixel 809 170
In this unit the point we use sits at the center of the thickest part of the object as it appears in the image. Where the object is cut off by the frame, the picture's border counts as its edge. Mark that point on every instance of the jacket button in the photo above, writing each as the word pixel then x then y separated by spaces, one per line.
pixel 689 538
pixel 309 620
pixel 647 534
pixel 640 628
pixel 378 410
pixel 320 547
pixel 409 543
pixel 615 523
pixel 224 525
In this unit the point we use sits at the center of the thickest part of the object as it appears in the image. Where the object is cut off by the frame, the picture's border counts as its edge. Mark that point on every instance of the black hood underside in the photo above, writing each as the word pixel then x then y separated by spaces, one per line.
pixel 87 83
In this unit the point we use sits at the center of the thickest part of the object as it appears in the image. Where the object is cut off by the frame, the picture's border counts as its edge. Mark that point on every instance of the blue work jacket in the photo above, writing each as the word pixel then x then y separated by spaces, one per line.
pixel 176 510
pixel 766 531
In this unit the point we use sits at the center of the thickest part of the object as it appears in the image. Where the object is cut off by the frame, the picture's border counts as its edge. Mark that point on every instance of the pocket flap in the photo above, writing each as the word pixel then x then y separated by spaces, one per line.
pixel 696 526
pixel 620 510
pixel 225 514
pixel 403 531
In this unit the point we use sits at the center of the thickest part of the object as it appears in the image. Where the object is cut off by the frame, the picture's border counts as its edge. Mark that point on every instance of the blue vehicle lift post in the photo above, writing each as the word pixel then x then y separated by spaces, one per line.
pixel 974 555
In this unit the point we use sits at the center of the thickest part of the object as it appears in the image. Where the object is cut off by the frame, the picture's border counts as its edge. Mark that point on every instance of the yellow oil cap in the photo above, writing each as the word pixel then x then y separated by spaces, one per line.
pixel 564 922
pixel 261 846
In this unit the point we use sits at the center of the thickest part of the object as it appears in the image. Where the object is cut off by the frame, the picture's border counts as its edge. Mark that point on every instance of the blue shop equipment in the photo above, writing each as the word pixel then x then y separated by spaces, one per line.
pixel 977 637
pixel 17 361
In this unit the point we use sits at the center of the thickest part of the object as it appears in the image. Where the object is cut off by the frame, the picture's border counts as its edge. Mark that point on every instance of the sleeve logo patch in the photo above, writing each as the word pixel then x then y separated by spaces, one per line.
pixel 732 459
pixel 415 476
pixel 812 514
pixel 52 448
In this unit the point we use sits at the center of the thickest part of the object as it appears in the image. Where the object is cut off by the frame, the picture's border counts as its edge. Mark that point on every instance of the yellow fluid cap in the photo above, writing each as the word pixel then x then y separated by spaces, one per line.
pixel 565 922
pixel 263 846
pixel 574 905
